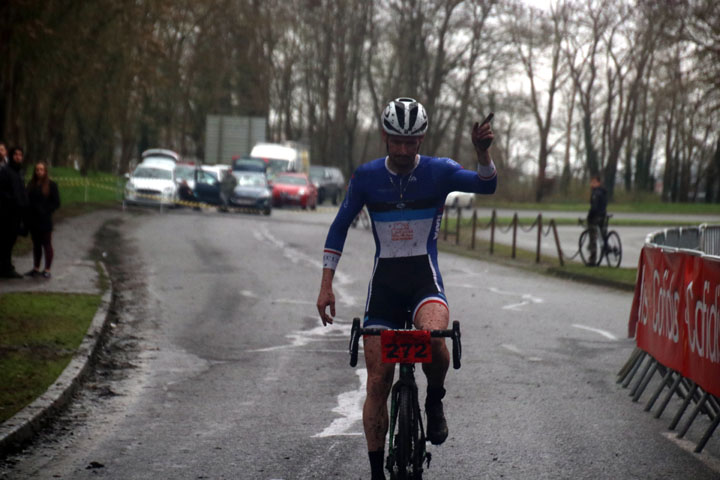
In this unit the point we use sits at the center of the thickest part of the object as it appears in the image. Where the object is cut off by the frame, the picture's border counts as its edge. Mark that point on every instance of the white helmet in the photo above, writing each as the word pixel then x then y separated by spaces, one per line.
pixel 405 117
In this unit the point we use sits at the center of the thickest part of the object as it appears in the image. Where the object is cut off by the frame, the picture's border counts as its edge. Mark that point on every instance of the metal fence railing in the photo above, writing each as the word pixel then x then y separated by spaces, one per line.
pixel 704 239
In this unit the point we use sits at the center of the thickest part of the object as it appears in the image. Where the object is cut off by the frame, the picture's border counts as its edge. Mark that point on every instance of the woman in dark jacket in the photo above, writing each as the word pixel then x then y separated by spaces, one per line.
pixel 44 199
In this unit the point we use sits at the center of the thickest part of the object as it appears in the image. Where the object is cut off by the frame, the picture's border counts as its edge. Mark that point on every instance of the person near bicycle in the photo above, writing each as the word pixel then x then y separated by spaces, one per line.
pixel 596 215
pixel 404 193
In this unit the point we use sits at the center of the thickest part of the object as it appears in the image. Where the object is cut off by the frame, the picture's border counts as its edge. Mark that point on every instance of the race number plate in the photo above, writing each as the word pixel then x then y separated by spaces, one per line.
pixel 406 346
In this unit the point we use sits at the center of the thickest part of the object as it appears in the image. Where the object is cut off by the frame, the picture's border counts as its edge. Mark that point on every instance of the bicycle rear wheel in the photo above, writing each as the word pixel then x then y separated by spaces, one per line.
pixel 613 252
pixel 585 247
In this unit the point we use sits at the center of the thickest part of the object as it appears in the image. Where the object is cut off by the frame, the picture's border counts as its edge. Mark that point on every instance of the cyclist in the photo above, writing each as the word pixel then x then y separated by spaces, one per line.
pixel 405 194
pixel 596 214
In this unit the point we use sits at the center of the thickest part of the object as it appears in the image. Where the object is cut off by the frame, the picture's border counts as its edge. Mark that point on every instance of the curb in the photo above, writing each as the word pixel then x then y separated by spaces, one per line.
pixel 559 272
pixel 24 425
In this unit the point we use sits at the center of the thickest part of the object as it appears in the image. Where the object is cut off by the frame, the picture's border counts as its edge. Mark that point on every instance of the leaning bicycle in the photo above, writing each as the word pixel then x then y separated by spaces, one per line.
pixel 603 243
pixel 406 453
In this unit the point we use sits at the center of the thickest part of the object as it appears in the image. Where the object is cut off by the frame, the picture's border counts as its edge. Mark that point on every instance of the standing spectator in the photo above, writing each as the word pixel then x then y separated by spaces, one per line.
pixel 596 214
pixel 13 202
pixel 227 186
pixel 3 154
pixel 44 199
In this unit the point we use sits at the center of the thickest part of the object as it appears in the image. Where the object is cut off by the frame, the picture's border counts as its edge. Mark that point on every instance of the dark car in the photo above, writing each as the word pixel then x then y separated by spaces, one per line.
pixel 329 182
pixel 251 192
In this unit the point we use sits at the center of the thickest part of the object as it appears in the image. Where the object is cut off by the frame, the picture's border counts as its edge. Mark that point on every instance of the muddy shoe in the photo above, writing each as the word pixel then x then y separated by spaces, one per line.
pixel 437 429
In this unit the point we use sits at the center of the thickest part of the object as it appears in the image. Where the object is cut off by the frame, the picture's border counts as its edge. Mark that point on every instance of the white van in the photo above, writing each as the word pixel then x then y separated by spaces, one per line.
pixel 282 158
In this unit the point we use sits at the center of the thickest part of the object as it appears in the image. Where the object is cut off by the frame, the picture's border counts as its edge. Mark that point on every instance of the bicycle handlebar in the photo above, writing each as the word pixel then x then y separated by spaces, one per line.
pixel 357 331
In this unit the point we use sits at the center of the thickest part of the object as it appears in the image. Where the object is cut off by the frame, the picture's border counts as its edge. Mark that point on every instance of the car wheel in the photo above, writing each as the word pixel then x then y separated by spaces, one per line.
pixel 336 197
pixel 267 211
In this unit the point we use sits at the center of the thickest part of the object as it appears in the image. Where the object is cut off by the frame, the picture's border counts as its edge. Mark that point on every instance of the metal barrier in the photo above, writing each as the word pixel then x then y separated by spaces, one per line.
pixel 493 225
pixel 704 241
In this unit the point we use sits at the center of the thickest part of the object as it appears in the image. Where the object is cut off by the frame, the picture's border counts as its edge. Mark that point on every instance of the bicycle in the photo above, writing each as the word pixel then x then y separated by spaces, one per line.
pixel 607 244
pixel 406 452
pixel 363 218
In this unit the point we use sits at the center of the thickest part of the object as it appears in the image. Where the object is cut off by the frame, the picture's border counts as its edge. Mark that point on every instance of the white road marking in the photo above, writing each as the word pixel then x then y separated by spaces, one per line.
pixel 300 338
pixel 512 348
pixel 604 333
pixel 248 293
pixel 292 301
pixel 527 299
pixel 350 407
pixel 296 256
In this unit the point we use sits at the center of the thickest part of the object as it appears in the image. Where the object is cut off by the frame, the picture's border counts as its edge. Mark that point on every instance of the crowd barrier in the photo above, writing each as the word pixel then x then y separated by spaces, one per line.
pixel 675 319
pixel 515 225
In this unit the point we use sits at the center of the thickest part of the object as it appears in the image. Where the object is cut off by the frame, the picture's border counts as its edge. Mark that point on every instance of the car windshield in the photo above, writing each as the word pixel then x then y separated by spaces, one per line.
pixel 316 173
pixel 275 166
pixel 245 180
pixel 289 180
pixel 154 173
pixel 184 172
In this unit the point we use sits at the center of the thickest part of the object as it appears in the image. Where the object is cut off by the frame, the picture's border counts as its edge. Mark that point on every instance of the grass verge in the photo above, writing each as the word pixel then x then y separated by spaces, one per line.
pixel 622 278
pixel 39 334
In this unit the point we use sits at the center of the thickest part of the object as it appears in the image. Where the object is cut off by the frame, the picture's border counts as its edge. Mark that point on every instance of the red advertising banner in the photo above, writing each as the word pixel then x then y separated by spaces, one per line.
pixel 675 313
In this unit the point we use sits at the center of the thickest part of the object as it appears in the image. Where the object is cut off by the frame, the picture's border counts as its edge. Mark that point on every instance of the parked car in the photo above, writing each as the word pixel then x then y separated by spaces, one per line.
pixel 330 183
pixel 151 183
pixel 252 191
pixel 294 189
pixel 460 200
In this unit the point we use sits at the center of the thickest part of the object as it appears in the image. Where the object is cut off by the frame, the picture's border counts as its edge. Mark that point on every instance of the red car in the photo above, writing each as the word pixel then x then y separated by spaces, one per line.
pixel 294 189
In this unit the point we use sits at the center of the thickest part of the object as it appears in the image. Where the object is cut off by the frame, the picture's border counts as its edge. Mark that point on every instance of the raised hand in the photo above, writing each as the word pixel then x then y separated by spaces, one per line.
pixel 482 134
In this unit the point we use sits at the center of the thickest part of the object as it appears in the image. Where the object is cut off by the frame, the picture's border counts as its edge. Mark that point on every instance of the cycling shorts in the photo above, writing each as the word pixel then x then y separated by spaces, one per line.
pixel 400 287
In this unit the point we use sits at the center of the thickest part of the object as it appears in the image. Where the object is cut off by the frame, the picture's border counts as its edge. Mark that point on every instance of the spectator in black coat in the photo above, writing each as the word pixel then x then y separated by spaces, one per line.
pixel 44 199
pixel 596 215
pixel 13 202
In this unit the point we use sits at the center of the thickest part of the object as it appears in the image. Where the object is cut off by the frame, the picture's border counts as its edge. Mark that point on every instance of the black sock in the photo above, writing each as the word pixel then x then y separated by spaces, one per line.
pixel 376 464
pixel 434 395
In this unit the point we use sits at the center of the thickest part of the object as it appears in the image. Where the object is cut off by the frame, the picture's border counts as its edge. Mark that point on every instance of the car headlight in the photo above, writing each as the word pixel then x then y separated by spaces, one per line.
pixel 301 191
pixel 130 187
pixel 168 190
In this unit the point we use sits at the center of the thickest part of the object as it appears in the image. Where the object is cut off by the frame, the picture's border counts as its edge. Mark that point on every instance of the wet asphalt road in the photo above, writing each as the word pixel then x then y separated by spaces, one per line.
pixel 219 367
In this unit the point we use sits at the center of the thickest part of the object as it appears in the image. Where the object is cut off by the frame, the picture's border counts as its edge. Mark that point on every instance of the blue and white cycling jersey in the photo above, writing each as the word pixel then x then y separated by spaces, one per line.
pixel 405 210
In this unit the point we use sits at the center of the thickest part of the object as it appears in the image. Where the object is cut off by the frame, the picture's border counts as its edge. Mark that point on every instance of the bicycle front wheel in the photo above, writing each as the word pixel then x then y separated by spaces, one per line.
pixel 613 252
pixel 590 248
pixel 403 439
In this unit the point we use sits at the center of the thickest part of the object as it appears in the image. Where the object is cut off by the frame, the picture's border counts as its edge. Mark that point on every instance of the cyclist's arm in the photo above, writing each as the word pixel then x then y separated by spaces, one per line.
pixel 353 203
pixel 483 181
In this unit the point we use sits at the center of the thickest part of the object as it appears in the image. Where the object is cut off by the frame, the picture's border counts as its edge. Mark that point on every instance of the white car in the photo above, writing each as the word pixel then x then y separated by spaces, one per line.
pixel 152 183
pixel 460 200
